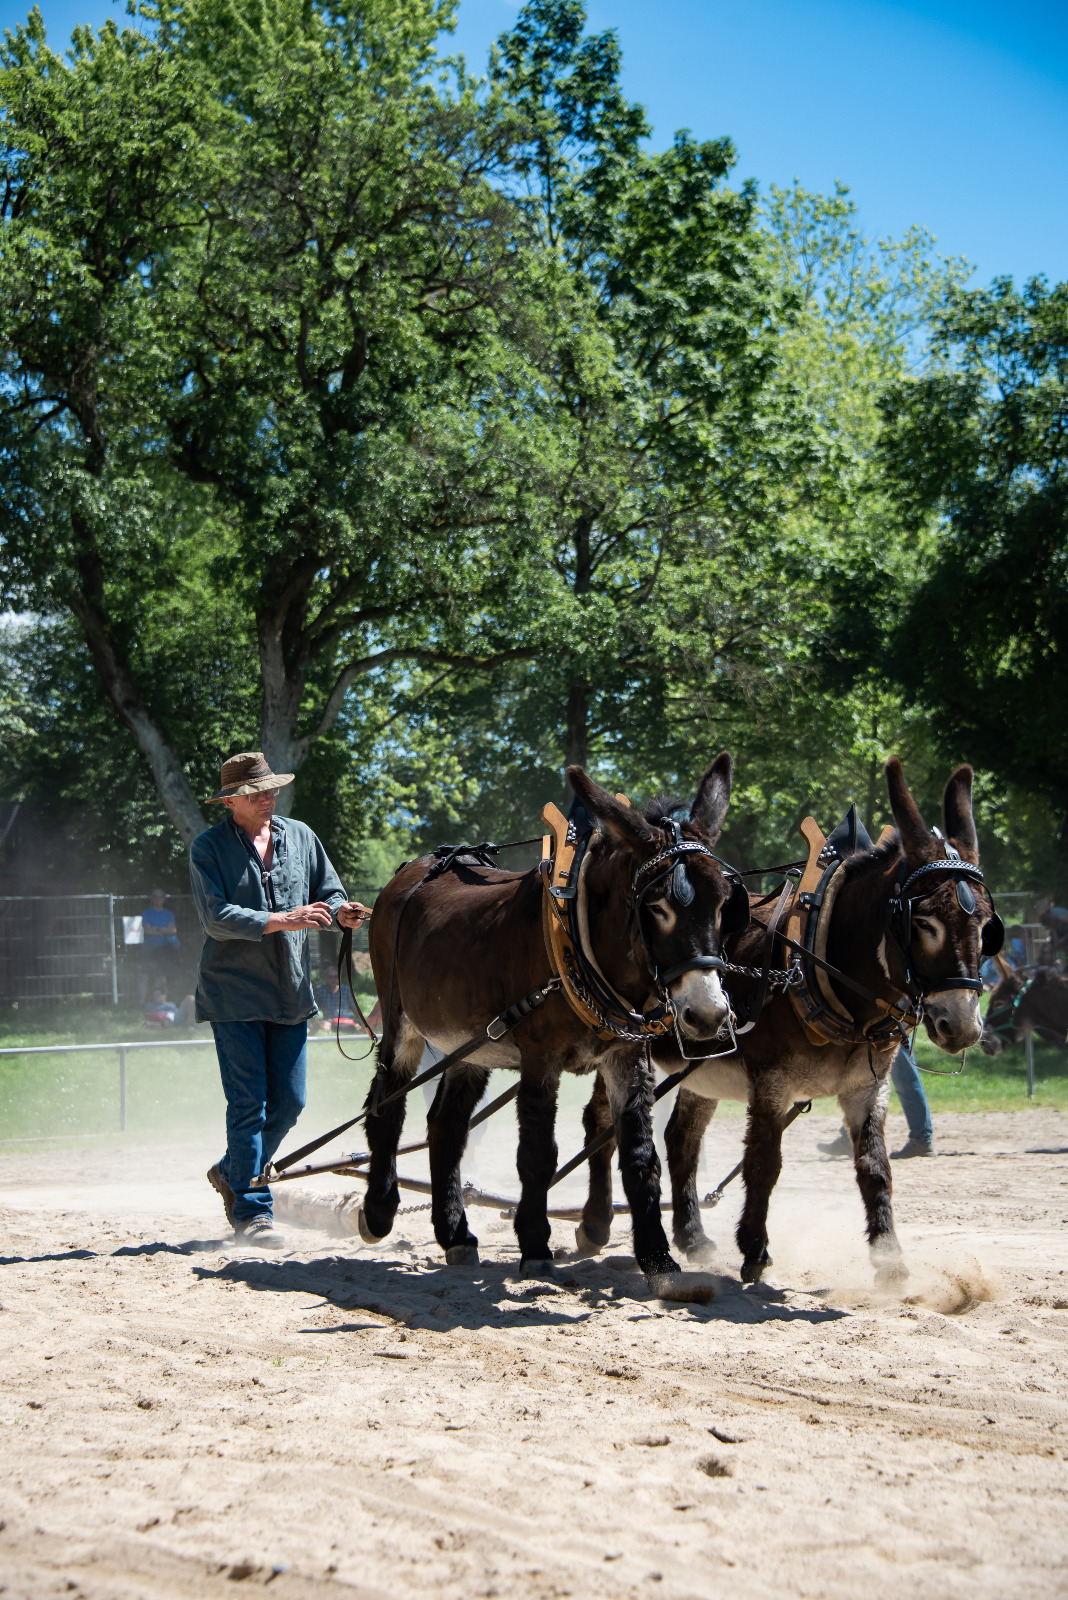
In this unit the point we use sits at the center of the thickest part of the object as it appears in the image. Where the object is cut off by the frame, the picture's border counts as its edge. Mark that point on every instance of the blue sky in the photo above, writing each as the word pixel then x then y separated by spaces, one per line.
pixel 945 113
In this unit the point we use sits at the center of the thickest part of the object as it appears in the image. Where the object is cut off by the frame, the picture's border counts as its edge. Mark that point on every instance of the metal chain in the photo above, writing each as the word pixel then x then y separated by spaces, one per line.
pixel 778 977
pixel 607 1025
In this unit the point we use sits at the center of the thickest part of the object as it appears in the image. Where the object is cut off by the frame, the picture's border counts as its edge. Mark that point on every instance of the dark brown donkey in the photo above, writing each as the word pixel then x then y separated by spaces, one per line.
pixel 471 943
pixel 1021 1005
pixel 777 1065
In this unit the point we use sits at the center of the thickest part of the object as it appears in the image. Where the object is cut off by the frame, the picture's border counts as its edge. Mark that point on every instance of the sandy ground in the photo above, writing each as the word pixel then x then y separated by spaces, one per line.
pixel 179 1414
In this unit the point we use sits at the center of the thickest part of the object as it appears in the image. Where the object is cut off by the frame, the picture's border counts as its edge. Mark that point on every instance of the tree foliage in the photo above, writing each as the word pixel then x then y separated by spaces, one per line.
pixel 429 433
pixel 981 441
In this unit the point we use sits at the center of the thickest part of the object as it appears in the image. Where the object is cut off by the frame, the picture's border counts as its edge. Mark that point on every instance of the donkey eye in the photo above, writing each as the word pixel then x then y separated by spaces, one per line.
pixel 659 909
pixel 924 926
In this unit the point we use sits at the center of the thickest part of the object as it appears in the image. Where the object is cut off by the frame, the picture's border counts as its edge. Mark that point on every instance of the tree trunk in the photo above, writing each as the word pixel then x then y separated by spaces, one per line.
pixel 577 746
pixel 576 741
pixel 283 690
pixel 178 799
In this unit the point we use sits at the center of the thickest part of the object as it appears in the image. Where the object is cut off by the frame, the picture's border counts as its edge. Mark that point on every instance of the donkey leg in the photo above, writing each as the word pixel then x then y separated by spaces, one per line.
pixel 536 1163
pixel 682 1137
pixel 375 1217
pixel 630 1092
pixel 865 1117
pixel 761 1165
pixel 447 1123
pixel 594 1231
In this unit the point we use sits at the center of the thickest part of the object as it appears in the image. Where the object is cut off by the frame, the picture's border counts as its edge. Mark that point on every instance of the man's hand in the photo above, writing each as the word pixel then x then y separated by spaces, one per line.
pixel 352 914
pixel 318 915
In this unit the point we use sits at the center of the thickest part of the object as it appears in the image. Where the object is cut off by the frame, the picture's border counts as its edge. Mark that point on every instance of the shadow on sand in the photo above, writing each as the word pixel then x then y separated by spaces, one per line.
pixel 442 1298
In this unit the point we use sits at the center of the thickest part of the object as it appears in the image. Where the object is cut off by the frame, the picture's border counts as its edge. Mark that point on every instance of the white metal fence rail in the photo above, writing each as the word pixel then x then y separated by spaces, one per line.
pixel 121 1051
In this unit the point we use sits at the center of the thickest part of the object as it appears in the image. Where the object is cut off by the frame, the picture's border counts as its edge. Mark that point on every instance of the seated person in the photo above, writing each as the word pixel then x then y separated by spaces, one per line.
pixel 335 1004
pixel 160 1012
pixel 186 1014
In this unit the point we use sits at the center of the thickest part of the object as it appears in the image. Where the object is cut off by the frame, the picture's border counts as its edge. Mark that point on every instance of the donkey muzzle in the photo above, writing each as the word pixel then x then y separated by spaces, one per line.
pixel 953 1019
pixel 701 1007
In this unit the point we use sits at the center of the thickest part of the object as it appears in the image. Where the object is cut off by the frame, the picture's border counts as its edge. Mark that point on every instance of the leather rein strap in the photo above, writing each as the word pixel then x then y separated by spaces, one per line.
pixel 344 964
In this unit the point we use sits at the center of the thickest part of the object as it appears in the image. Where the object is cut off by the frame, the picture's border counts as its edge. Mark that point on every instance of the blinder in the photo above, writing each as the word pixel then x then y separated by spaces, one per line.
pixel 900 914
pixel 736 916
pixel 671 863
pixel 682 890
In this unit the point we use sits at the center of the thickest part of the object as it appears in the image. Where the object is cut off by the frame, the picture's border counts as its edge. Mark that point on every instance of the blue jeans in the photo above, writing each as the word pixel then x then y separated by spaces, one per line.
pixel 263 1066
pixel 906 1080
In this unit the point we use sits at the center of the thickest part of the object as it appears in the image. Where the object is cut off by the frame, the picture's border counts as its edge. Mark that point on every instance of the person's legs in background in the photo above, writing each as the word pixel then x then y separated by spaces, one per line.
pixel 905 1077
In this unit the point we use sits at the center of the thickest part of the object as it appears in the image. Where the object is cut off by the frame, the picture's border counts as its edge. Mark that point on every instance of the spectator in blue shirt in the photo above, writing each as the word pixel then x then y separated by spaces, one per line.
pixel 159 933
pixel 259 882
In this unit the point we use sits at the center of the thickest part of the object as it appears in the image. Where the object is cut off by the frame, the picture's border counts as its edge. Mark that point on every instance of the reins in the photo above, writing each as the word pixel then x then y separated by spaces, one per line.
pixel 344 960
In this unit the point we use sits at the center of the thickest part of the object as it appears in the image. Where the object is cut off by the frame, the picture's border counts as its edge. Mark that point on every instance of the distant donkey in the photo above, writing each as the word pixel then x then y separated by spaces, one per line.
pixel 1023 1004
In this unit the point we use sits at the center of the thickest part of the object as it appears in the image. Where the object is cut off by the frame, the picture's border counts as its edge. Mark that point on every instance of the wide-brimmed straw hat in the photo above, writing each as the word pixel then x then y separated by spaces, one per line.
pixel 248 773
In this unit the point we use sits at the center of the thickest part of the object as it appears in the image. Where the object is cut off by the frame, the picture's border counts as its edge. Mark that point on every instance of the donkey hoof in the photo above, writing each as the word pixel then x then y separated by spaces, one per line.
pixel 891 1274
pixel 365 1233
pixel 533 1267
pixel 753 1271
pixel 585 1245
pixel 462 1255
pixel 702 1249
pixel 685 1288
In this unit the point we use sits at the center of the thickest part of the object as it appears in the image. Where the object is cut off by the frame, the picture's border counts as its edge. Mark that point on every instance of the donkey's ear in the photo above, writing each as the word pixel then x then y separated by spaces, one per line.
pixel 916 840
pixel 713 796
pixel 625 823
pixel 957 815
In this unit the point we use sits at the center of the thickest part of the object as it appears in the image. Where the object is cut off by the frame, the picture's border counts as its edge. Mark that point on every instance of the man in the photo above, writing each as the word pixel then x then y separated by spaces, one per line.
pixel 160 938
pixel 259 882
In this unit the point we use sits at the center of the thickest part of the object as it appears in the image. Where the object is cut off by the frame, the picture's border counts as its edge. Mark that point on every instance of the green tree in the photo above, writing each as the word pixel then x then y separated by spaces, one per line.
pixel 100 160
pixel 346 350
pixel 669 439
pixel 981 442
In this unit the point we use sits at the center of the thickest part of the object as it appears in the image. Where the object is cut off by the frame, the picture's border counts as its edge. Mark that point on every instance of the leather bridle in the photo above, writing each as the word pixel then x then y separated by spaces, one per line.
pixel 649 874
pixel 899 921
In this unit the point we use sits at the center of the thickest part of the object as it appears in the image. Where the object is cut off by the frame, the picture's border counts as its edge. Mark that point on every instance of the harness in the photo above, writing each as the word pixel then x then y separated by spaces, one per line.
pixel 899 917
pixel 815 1003
pixel 574 969
pixel 587 990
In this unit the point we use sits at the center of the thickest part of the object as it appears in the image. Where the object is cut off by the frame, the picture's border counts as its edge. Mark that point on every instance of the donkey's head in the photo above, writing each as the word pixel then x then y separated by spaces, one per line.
pixel 677 909
pixel 947 921
pixel 1045 1004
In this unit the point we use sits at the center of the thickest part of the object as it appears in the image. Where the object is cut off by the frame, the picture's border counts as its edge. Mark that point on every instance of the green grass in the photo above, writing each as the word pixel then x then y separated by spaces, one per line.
pixel 995 1083
pixel 178 1091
